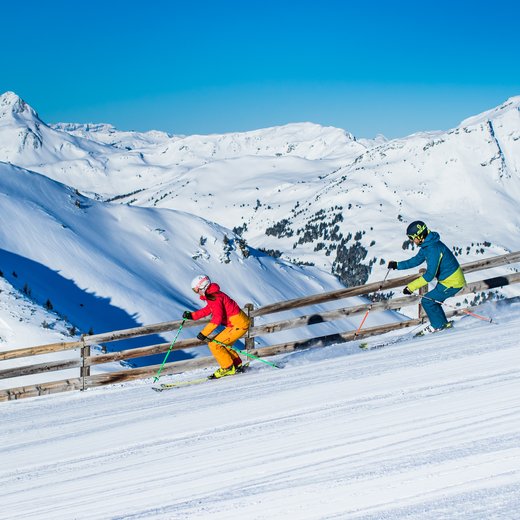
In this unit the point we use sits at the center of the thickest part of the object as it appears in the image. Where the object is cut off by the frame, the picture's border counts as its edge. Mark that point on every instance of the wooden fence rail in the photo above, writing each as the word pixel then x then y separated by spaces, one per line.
pixel 87 360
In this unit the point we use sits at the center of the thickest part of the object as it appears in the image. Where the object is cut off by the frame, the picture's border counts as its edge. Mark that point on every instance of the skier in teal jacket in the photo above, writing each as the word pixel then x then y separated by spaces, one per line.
pixel 441 264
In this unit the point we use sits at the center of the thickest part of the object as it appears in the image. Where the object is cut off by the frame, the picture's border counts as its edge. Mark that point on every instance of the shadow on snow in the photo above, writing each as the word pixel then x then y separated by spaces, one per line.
pixel 81 308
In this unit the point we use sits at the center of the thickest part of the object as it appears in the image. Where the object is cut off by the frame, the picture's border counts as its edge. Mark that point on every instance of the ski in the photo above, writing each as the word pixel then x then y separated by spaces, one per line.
pixel 405 337
pixel 413 334
pixel 375 346
pixel 192 382
pixel 179 384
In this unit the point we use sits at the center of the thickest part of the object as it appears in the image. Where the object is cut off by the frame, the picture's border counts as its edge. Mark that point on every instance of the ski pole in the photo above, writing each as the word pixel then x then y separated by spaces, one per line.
pixel 483 318
pixel 156 378
pixel 371 304
pixel 209 340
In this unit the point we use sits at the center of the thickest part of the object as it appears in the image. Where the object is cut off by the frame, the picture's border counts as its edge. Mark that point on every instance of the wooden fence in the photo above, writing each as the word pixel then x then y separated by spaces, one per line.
pixel 86 360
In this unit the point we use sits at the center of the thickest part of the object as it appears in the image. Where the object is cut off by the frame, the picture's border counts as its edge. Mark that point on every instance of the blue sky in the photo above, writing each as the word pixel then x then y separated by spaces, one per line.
pixel 212 67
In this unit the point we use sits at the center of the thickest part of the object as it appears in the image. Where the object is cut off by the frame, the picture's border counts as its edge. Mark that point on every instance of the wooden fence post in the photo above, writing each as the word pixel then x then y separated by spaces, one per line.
pixel 250 341
pixel 85 369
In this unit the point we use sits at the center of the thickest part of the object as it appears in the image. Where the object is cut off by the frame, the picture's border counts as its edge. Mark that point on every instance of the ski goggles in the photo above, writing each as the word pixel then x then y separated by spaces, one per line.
pixel 201 285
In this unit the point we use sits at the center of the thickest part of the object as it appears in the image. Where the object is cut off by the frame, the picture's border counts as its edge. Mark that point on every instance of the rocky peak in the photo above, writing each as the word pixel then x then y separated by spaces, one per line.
pixel 13 106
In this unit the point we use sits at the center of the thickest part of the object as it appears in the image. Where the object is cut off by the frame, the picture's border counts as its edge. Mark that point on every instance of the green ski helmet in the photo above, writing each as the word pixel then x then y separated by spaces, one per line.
pixel 417 229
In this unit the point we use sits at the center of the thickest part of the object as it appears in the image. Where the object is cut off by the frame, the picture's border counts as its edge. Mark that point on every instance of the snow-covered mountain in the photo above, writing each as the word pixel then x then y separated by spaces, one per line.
pixel 110 226
pixel 122 265
pixel 307 193
pixel 346 211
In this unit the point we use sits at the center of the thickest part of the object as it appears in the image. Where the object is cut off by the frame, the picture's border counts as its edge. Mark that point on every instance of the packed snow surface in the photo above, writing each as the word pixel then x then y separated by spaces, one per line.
pixel 427 428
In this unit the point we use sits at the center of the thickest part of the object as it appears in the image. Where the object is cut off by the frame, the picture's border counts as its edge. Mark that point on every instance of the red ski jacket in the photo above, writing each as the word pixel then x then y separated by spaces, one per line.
pixel 219 305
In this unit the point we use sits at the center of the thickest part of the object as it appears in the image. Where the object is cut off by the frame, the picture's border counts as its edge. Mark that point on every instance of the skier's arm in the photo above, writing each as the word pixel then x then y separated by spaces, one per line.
pixel 201 313
pixel 432 266
pixel 216 319
pixel 416 260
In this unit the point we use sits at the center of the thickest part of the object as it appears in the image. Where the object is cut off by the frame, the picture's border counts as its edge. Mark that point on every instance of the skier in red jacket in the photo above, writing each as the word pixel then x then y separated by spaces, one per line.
pixel 224 311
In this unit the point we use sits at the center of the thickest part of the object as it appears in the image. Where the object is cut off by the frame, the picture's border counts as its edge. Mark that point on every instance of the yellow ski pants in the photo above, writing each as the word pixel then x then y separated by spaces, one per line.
pixel 225 356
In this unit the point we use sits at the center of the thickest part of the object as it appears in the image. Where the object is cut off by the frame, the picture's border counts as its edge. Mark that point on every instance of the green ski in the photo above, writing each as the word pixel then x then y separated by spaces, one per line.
pixel 192 382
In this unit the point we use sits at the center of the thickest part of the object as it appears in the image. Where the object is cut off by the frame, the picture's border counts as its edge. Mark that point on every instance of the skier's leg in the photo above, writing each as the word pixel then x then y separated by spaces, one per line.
pixel 229 335
pixel 434 309
pixel 221 353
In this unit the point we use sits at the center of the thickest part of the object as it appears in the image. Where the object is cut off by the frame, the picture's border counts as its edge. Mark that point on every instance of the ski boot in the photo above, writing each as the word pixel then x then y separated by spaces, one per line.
pixel 223 372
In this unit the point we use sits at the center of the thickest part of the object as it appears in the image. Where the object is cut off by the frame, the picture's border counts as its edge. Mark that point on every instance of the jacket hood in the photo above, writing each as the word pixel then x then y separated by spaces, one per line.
pixel 432 238
pixel 212 288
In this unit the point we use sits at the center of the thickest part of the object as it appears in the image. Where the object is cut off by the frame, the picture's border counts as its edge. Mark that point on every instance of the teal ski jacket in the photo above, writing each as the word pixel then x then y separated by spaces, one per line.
pixel 440 263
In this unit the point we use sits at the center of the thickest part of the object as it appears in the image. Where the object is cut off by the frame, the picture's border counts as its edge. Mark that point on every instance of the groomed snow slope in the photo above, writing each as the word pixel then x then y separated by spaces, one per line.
pixel 424 429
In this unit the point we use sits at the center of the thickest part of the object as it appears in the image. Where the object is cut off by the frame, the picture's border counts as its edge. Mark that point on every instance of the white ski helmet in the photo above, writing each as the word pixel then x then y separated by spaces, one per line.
pixel 200 283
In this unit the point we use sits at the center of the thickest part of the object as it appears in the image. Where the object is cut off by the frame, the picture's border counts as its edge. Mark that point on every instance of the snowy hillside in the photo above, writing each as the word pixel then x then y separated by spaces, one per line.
pixel 109 266
pixel 22 322
pixel 348 214
pixel 427 429
pixel 327 208
pixel 309 194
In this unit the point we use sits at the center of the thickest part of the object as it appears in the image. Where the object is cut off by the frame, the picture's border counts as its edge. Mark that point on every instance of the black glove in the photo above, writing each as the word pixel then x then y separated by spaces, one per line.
pixel 186 315
pixel 392 264
pixel 407 291
pixel 201 336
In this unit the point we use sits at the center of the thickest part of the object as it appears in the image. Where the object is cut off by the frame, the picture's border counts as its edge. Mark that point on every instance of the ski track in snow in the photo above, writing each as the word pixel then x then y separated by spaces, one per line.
pixel 426 429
